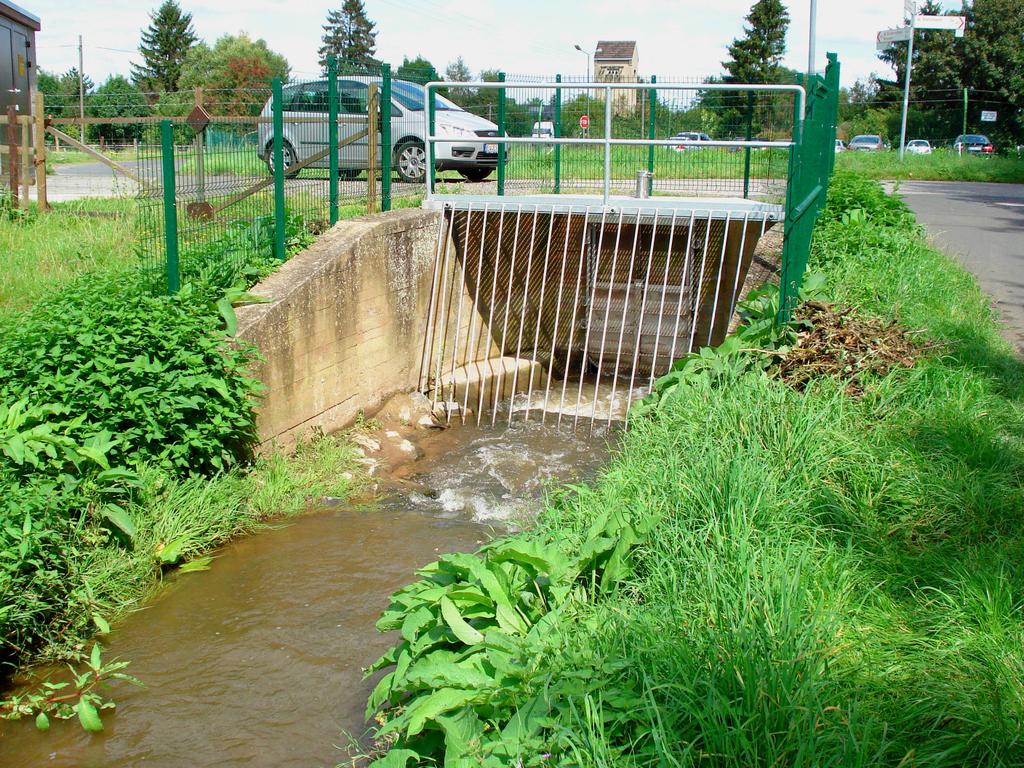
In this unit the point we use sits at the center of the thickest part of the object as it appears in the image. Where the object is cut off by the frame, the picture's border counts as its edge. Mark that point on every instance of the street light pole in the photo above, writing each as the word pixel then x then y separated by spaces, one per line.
pixel 813 35
pixel 906 85
pixel 587 79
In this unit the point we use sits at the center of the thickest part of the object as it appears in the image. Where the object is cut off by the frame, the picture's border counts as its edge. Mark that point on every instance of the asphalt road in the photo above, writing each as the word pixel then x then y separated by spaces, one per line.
pixel 982 226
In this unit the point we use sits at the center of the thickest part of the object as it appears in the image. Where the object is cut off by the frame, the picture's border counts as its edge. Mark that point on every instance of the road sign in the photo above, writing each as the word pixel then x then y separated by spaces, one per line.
pixel 887 37
pixel 956 23
pixel 584 122
pixel 988 116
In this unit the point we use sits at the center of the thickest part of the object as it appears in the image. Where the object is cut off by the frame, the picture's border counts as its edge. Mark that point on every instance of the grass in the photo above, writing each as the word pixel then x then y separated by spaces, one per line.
pixel 42 253
pixel 815 579
pixel 941 165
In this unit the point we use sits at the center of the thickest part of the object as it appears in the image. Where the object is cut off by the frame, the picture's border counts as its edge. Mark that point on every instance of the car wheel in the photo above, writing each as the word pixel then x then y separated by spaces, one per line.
pixel 411 162
pixel 475 174
pixel 287 154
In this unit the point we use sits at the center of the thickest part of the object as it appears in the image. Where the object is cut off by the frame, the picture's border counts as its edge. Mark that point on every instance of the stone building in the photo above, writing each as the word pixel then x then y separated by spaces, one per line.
pixel 617 61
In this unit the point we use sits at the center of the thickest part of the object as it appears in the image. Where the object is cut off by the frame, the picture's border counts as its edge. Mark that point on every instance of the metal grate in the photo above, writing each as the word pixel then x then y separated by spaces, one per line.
pixel 572 309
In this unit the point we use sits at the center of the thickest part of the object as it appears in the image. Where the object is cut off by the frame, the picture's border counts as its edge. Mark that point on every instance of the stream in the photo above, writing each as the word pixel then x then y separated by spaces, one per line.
pixel 258 661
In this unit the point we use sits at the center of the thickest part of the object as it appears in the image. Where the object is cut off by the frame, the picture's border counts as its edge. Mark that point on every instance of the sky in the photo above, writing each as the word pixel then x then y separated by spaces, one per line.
pixel 674 37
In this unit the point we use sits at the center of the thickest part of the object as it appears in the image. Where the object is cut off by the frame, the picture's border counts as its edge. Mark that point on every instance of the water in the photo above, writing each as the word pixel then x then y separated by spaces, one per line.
pixel 257 662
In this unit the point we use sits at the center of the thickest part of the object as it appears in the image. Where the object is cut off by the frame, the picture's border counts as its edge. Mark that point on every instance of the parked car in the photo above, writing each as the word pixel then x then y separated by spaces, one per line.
pixel 919 147
pixel 409 156
pixel 840 145
pixel 543 129
pixel 974 144
pixel 689 137
pixel 867 142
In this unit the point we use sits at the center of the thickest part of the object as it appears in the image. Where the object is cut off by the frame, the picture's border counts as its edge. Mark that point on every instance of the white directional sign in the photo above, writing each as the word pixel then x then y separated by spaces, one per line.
pixel 887 37
pixel 987 116
pixel 956 23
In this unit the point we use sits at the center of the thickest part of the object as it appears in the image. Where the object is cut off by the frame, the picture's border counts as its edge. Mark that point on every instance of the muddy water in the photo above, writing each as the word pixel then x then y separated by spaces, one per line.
pixel 257 662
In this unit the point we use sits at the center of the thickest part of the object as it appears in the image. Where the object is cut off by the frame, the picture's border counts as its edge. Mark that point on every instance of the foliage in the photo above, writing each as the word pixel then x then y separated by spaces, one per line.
pixel 417 70
pixel 757 56
pixel 941 165
pixel 60 92
pixel 115 98
pixel 164 45
pixel 238 68
pixel 349 35
pixel 809 578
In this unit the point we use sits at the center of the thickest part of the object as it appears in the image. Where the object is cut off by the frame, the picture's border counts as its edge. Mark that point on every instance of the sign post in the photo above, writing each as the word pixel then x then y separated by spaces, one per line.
pixel 887 37
pixel 584 122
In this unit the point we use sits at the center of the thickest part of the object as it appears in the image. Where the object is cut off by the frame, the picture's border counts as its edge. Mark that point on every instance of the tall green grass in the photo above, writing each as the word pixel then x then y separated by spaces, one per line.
pixel 44 252
pixel 941 165
pixel 829 580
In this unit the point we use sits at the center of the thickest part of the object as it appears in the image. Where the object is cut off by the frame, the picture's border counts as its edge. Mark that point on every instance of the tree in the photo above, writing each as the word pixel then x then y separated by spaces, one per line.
pixel 237 68
pixel 458 72
pixel 757 56
pixel 349 36
pixel 60 92
pixel 117 97
pixel 417 70
pixel 165 44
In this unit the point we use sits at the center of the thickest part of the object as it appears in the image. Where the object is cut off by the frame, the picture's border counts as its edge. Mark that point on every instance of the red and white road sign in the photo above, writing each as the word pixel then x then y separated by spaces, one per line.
pixel 584 122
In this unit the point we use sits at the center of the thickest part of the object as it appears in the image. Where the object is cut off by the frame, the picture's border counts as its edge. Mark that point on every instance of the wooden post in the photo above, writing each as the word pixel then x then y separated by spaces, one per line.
pixel 26 157
pixel 12 152
pixel 40 152
pixel 200 152
pixel 371 150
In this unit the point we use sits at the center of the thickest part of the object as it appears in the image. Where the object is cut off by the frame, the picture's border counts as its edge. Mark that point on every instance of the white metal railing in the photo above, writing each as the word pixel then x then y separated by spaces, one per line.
pixel 607 141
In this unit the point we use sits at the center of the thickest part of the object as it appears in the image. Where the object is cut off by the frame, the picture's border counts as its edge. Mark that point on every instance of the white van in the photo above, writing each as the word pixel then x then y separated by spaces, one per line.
pixel 544 129
pixel 303 139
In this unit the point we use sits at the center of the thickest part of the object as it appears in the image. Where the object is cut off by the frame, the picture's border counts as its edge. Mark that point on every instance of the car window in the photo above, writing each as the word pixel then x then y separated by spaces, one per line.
pixel 411 96
pixel 352 97
pixel 308 98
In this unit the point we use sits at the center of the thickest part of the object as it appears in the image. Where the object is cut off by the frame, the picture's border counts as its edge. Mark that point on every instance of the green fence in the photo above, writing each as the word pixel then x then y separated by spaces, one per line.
pixel 811 161
pixel 220 195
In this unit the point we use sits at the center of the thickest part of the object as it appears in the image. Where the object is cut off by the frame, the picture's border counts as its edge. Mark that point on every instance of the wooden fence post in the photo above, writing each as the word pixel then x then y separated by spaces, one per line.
pixel 26 157
pixel 40 152
pixel 12 152
pixel 200 154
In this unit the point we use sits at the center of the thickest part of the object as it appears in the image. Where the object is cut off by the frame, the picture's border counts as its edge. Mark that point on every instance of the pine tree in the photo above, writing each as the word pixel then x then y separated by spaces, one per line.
pixel 757 56
pixel 349 35
pixel 164 44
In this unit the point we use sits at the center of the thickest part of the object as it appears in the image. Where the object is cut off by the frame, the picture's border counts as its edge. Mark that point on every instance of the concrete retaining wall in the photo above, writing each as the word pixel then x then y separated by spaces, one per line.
pixel 345 325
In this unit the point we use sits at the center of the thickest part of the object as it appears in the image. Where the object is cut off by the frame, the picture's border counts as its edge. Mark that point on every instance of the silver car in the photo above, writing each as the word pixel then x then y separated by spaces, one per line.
pixel 303 137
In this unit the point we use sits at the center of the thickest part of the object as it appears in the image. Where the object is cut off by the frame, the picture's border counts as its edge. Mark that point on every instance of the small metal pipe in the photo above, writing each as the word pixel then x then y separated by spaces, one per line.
pixel 664 291
pixel 442 316
pixel 590 315
pixel 718 280
pixel 607 316
pixel 558 315
pixel 643 310
pixel 700 288
pixel 428 338
pixel 466 361
pixel 622 325
pixel 540 312
pixel 522 313
pixel 575 304
pixel 499 389
pixel 490 314
pixel 458 316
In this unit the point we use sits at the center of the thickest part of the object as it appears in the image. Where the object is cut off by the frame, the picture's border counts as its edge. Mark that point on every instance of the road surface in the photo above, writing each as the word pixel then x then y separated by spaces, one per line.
pixel 982 226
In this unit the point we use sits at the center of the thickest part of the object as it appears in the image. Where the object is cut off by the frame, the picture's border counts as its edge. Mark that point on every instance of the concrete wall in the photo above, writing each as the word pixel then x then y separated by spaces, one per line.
pixel 345 325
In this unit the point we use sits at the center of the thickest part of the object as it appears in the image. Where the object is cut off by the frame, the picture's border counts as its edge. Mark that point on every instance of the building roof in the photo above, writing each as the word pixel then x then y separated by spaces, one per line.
pixel 9 10
pixel 614 50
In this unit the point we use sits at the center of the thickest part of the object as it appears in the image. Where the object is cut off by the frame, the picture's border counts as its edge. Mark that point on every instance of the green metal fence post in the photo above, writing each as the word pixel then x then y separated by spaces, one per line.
pixel 278 150
pixel 501 135
pixel 332 135
pixel 651 133
pixel 746 151
pixel 431 146
pixel 170 205
pixel 558 134
pixel 385 137
pixel 794 187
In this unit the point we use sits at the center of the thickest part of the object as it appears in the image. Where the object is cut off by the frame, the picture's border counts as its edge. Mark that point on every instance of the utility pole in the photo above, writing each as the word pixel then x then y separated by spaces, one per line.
pixel 81 93
pixel 813 34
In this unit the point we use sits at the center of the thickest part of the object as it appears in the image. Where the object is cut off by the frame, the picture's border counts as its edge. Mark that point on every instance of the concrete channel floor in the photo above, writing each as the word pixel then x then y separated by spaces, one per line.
pixel 982 226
